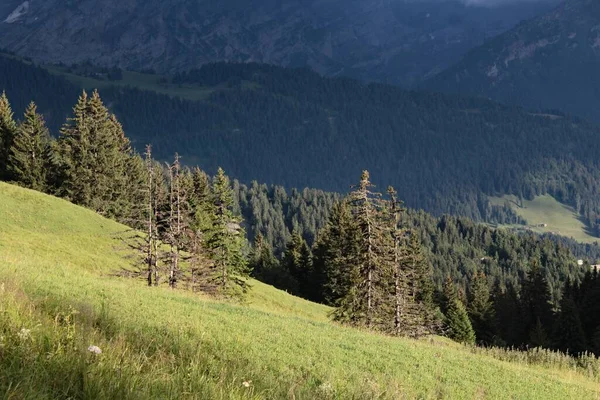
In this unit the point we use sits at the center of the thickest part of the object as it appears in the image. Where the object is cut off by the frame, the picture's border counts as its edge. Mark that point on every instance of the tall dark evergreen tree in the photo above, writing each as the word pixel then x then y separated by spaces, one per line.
pixel 94 158
pixel 8 129
pixel 458 325
pixel 178 221
pixel 297 260
pixel 225 241
pixel 364 303
pixel 481 309
pixel 336 254
pixel 568 333
pixel 537 307
pixel 29 155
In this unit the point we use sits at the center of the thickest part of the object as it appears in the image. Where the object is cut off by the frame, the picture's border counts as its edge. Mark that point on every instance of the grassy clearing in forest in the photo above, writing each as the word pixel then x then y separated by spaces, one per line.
pixel 545 210
pixel 58 297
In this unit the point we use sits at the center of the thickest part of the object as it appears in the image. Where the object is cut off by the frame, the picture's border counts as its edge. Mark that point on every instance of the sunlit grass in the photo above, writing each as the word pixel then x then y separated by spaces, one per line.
pixel 544 214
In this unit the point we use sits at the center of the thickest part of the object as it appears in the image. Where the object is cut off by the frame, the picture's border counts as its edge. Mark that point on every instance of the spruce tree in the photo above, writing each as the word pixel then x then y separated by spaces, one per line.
pixel 568 331
pixel 94 158
pixel 481 309
pixel 297 260
pixel 536 305
pixel 178 222
pixel 29 157
pixel 369 292
pixel 458 325
pixel 8 128
pixel 262 260
pixel 225 241
pixel 336 254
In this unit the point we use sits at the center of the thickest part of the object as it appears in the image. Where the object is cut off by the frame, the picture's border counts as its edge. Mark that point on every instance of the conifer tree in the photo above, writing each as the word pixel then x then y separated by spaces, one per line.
pixel 225 241
pixel 178 221
pixel 28 159
pixel 409 312
pixel 336 254
pixel 143 239
pixel 297 260
pixel 481 309
pixel 94 158
pixel 8 128
pixel 369 292
pixel 151 239
pixel 536 305
pixel 568 332
pixel 262 260
pixel 458 325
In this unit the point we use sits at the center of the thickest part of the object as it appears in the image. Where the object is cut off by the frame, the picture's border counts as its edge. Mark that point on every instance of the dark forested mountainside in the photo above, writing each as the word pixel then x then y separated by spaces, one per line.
pixel 548 62
pixel 295 128
pixel 455 246
pixel 393 41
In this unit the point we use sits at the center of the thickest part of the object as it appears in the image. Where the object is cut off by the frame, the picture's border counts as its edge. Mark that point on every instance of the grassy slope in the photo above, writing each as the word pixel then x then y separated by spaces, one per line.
pixel 56 260
pixel 138 80
pixel 560 219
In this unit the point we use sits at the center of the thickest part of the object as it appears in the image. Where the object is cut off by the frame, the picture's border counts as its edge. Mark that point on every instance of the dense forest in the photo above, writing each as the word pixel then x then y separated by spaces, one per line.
pixel 444 153
pixel 379 265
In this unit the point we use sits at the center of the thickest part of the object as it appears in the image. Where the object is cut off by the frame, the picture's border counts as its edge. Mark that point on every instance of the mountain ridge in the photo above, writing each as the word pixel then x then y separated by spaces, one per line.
pixel 548 62
pixel 392 41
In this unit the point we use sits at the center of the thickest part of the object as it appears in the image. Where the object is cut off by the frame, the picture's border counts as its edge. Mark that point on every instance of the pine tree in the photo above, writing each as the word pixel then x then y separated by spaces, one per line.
pixel 364 303
pixel 536 305
pixel 297 260
pixel 178 231
pixel 29 157
pixel 143 239
pixel 225 241
pixel 458 325
pixel 8 129
pixel 422 287
pixel 151 244
pixel 262 260
pixel 94 158
pixel 481 309
pixel 568 332
pixel 336 255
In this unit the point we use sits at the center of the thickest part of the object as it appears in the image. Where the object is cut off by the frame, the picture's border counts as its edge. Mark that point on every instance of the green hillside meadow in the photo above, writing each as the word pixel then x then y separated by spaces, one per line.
pixel 59 295
pixel 544 214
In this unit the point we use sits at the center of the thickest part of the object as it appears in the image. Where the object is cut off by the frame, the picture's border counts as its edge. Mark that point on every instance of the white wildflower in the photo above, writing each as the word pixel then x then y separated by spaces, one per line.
pixel 24 334
pixel 95 350
pixel 247 384
pixel 327 389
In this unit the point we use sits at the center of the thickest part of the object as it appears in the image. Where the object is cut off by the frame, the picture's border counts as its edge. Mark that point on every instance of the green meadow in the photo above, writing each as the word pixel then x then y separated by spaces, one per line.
pixel 544 214
pixel 60 293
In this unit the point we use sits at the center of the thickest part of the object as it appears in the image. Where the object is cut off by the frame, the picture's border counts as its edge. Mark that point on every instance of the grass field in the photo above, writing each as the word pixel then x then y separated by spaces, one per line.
pixel 58 296
pixel 142 81
pixel 545 210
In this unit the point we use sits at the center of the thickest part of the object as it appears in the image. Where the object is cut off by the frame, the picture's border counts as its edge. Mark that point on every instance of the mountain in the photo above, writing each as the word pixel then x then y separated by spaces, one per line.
pixel 292 127
pixel 548 62
pixel 397 41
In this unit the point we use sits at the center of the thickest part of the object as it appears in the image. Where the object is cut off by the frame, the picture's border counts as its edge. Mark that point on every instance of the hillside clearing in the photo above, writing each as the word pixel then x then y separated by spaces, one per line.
pixel 544 214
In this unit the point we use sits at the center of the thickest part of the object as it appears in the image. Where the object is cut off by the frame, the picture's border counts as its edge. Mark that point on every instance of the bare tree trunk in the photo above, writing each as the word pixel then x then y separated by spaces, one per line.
pixel 397 287
pixel 150 240
pixel 224 267
pixel 369 276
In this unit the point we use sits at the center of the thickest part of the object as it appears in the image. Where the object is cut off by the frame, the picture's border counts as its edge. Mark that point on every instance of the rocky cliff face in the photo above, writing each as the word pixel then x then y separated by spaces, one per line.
pixel 397 41
pixel 552 61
